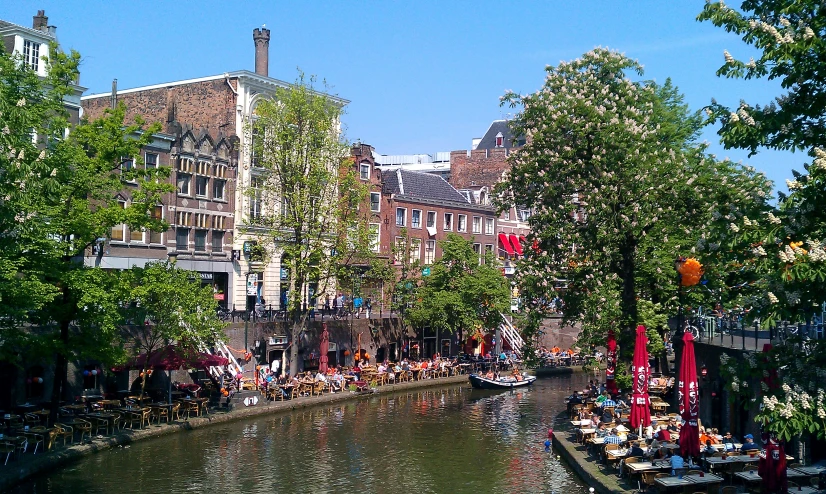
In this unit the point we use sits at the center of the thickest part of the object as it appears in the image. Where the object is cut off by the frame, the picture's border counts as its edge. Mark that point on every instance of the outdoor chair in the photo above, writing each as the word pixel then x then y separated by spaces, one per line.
pixel 7 449
pixel 65 431
pixel 175 412
pixel 814 482
pixel 694 472
pixel 159 413
pixel 191 408
pixel 729 489
pixel 793 465
pixel 31 419
pixel 141 417
pixel 36 438
pixel 647 479
pixel 100 423
pixel 84 428
pixel 792 485
pixel 318 388
pixel 295 392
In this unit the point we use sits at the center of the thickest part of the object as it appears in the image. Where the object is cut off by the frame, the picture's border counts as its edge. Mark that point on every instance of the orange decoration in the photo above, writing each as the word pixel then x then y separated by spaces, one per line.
pixel 690 272
pixel 141 374
pixel 346 353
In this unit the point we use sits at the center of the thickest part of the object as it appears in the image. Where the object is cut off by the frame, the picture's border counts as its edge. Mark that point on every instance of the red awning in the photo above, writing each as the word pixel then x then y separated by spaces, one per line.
pixel 517 246
pixel 506 244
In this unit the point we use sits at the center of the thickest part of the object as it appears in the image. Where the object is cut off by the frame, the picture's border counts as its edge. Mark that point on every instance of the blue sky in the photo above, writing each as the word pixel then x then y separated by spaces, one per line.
pixel 422 76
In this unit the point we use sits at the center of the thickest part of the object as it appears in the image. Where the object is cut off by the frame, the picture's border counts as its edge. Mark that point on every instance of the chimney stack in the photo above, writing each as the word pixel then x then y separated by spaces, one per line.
pixel 40 22
pixel 261 37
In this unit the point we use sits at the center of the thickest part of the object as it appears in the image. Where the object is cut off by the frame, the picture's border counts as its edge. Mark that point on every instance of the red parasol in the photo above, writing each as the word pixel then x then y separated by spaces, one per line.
pixel 772 467
pixel 640 412
pixel 172 357
pixel 610 383
pixel 689 400
pixel 323 348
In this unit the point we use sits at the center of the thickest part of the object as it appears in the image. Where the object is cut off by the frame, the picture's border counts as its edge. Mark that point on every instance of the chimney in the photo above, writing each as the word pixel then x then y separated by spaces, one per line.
pixel 113 99
pixel 40 22
pixel 261 37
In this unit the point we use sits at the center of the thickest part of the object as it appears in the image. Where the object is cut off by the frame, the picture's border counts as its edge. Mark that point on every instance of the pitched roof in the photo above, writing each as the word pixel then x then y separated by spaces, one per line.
pixel 499 126
pixel 421 185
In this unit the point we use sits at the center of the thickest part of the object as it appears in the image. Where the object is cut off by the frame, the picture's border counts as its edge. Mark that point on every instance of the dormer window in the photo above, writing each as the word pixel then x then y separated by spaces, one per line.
pixel 500 140
pixel 364 170
pixel 31 54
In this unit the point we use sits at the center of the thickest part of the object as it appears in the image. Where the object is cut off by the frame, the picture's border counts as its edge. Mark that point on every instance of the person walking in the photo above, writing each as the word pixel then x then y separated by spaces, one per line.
pixel 326 307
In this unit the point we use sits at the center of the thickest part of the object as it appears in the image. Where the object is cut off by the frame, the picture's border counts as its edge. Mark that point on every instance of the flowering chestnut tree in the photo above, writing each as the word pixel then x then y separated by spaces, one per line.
pixel 617 186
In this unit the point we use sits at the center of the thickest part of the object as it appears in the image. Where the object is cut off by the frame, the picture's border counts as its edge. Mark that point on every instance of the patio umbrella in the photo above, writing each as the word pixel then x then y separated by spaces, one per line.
pixel 173 357
pixel 640 403
pixel 323 348
pixel 610 383
pixel 689 400
pixel 772 466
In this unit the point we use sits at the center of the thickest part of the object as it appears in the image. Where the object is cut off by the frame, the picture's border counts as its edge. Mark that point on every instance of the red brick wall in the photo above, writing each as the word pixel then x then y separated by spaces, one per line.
pixel 206 105
pixel 482 167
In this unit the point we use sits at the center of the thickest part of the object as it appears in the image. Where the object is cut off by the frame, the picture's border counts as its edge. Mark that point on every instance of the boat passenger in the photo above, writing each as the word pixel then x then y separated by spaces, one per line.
pixel 489 374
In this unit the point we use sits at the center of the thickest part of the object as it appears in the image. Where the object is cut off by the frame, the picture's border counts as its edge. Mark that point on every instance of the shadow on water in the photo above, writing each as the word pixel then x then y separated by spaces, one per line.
pixel 450 439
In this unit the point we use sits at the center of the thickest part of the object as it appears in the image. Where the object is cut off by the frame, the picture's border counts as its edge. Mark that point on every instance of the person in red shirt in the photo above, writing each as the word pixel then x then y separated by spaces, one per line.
pixel 663 435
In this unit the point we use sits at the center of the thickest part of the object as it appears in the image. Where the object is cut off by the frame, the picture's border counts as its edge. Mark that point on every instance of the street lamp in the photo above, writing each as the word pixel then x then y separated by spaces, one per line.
pixel 679 262
pixel 173 256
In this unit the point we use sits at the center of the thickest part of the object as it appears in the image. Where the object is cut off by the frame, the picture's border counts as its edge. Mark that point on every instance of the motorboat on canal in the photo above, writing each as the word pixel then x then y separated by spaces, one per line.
pixel 506 382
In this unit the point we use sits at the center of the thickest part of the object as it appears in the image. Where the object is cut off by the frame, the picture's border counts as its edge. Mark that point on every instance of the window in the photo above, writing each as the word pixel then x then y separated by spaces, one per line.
pixel 218 187
pixel 431 219
pixel 183 184
pixel 500 140
pixel 201 186
pixel 364 171
pixel 488 226
pixel 156 214
pixel 119 231
pixel 477 224
pixel 255 146
pixel 429 251
pixel 182 239
pixel 416 218
pixel 217 241
pixel 415 250
pixel 524 214
pixel 448 222
pixel 506 215
pixel 478 249
pixel 400 247
pixel 375 242
pixel 136 235
pixel 462 225
pixel 150 161
pixel 401 216
pixel 31 54
pixel 256 202
pixel 375 202
pixel 219 222
pixel 200 240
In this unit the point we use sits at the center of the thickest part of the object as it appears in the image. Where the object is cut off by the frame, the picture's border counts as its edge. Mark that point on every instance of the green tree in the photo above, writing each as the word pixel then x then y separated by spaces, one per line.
pixel 165 305
pixel 309 192
pixel 66 199
pixel 780 248
pixel 618 189
pixel 460 293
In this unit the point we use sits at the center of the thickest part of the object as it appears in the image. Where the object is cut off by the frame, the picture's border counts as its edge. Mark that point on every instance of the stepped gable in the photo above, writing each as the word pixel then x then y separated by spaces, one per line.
pixel 421 185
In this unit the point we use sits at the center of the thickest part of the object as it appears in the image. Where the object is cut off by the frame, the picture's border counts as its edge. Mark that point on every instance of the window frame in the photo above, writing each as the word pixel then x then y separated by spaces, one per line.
pixel 415 250
pixel 400 246
pixel 217 234
pixel 476 224
pixel 459 227
pixel 205 180
pixel 404 217
pixel 490 225
pixel 427 221
pixel 477 248
pixel 412 219
pixel 121 226
pixel 429 254
pixel 200 233
pixel 179 177
pixel 154 216
pixel 178 231
pixel 362 175
pixel 215 184
pixel 375 243
pixel 448 222
pixel 378 202
pixel 31 54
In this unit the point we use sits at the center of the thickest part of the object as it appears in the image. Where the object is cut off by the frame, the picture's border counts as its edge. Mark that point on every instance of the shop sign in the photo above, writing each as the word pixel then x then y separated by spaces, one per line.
pixel 219 296
pixel 206 276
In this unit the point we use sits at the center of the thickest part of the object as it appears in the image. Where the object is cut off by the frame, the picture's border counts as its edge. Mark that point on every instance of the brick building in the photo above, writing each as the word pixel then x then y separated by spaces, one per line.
pixel 204 122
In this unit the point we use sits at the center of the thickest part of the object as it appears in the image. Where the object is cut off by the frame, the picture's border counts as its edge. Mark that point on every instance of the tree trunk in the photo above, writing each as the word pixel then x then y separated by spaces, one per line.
pixel 60 369
pixel 296 332
pixel 628 299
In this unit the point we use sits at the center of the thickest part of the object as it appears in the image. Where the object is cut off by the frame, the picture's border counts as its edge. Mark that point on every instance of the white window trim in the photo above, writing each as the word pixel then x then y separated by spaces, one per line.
pixel 474 223
pixel 415 250
pixel 420 219
pixel 377 202
pixel 435 219
pixel 223 197
pixel 492 223
pixel 205 195
pixel 433 258
pixel 361 165
pixel 122 227
pixel 448 226
pixel 188 193
pixel 459 223
pixel 404 222
pixel 377 246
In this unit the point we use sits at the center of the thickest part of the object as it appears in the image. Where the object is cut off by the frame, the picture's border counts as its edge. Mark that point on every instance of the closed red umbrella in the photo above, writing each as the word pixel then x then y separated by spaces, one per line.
pixel 772 466
pixel 610 383
pixel 640 371
pixel 689 400
pixel 323 348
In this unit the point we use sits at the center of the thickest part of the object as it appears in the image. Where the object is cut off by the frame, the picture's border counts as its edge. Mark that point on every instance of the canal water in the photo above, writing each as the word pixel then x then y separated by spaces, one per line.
pixel 441 440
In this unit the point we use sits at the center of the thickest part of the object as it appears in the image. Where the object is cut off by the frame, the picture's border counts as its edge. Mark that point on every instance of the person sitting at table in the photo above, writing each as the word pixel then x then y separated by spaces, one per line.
pixel 672 425
pixel 594 421
pixel 650 430
pixel 656 451
pixel 489 374
pixel 677 463
pixel 607 416
pixel 320 377
pixel 710 449
pixel 601 398
pixel 382 369
pixel 635 451
pixel 749 444
pixel 613 437
pixel 337 381
pixel 728 442
pixel 601 431
pixel 705 437
pixel 663 435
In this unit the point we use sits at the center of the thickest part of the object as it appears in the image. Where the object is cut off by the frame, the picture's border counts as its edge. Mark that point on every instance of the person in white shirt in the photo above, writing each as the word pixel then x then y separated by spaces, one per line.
pixel 382 368
pixel 320 377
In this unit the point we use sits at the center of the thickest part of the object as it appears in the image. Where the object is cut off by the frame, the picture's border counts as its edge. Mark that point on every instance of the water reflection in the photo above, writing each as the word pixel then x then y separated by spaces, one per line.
pixel 451 439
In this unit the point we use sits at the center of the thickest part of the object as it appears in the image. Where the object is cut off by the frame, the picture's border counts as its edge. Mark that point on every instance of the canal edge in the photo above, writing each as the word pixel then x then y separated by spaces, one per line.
pixel 10 475
pixel 590 474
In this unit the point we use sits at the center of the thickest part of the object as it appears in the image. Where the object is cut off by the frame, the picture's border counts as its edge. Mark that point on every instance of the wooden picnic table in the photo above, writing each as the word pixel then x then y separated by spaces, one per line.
pixel 647 466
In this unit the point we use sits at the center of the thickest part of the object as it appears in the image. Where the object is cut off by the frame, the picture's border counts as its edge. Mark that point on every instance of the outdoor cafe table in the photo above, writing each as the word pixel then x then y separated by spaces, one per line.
pixel 647 466
pixel 750 476
pixel 108 418
pixel 804 490
pixel 586 434
pixel 200 402
pixel 669 482
pixel 809 471
pixel 706 479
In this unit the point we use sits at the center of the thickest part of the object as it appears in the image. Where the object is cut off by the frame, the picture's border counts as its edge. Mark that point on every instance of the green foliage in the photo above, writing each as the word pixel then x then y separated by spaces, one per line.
pixel 460 294
pixel 618 189
pixel 655 320
pixel 308 189
pixel 622 377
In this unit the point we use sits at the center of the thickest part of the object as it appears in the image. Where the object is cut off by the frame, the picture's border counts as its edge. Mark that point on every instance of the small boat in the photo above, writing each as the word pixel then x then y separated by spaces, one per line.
pixel 508 382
